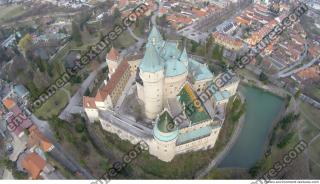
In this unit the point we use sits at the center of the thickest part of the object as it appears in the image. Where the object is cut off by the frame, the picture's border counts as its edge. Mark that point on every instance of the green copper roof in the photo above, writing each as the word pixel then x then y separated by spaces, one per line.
pixel 165 128
pixel 174 68
pixel 170 51
pixel 200 71
pixel 221 95
pixel 194 135
pixel 151 61
pixel 194 109
pixel 184 55
pixel 155 35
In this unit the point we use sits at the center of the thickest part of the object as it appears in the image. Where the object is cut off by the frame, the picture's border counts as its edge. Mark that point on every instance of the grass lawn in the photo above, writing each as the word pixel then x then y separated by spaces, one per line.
pixel 8 12
pixel 315 170
pixel 309 130
pixel 227 173
pixel 311 113
pixel 314 150
pixel 316 92
pixel 53 106
pixel 124 40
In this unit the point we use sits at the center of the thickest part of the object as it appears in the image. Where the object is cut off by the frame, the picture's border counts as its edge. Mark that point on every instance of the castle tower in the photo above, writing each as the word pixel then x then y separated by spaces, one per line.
pixel 152 76
pixel 113 60
pixel 165 132
pixel 184 57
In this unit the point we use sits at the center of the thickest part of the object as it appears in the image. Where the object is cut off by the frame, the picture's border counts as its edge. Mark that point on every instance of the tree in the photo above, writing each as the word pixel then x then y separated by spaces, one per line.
pixel 263 77
pixel 42 65
pixel 297 95
pixel 76 35
pixel 80 127
pixel 217 53
pixel 116 14
pixel 23 43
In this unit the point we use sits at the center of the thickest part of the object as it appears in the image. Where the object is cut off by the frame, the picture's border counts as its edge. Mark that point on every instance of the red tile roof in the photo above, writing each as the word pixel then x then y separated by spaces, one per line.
pixel 36 138
pixel 9 103
pixel 310 73
pixel 113 54
pixel 112 83
pixel 179 19
pixel 18 121
pixel 89 102
pixel 34 164
pixel 199 13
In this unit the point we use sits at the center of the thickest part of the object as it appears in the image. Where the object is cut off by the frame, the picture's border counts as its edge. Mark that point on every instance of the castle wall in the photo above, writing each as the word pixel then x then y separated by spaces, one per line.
pixel 124 135
pixel 173 84
pixel 232 87
pixel 200 144
pixel 92 114
pixel 134 64
pixel 200 86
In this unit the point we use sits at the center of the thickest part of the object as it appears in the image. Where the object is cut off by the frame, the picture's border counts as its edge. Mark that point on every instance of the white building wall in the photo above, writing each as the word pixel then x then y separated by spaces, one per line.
pixel 152 92
pixel 173 85
pixel 92 114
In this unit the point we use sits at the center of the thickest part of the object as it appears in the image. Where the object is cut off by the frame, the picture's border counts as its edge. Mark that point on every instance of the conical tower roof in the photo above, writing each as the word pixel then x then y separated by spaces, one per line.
pixel 184 55
pixel 155 36
pixel 151 61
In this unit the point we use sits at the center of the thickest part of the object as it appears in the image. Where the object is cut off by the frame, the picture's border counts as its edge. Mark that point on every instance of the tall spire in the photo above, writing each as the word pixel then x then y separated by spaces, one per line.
pixel 151 61
pixel 155 35
pixel 184 55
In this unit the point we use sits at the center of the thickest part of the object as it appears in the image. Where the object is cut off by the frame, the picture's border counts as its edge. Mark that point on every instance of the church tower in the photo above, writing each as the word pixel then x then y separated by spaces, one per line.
pixel 151 72
pixel 113 60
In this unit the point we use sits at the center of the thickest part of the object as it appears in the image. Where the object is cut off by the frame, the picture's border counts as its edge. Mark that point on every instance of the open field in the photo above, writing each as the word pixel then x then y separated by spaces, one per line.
pixel 8 12
pixel 309 131
pixel 314 150
pixel 311 113
pixel 53 106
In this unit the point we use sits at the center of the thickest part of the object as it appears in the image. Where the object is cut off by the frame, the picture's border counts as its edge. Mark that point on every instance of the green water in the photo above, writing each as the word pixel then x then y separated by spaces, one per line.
pixel 261 110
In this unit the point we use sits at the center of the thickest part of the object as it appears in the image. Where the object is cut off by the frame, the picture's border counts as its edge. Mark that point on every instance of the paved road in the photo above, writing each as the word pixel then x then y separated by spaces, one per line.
pixel 295 64
pixel 77 97
pixel 299 69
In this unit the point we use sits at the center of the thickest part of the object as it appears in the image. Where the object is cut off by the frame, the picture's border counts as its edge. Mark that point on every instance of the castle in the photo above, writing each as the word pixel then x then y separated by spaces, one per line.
pixel 166 81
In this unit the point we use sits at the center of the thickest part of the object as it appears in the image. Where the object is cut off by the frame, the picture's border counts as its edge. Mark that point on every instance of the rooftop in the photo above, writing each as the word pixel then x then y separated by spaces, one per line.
pixel 36 138
pixel 113 54
pixel 34 164
pixel 195 112
pixel 9 103
pixel 115 77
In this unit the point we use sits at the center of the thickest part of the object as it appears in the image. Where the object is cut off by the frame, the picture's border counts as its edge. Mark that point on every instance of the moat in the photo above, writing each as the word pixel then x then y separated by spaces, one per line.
pixel 262 108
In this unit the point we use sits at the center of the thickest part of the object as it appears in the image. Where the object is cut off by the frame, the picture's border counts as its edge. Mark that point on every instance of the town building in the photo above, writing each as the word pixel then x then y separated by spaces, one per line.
pixel 227 41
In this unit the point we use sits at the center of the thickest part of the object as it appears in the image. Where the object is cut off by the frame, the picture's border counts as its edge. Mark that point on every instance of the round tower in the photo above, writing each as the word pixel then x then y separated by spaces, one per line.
pixel 152 76
pixel 165 133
